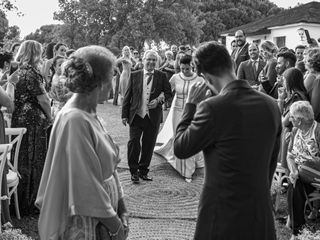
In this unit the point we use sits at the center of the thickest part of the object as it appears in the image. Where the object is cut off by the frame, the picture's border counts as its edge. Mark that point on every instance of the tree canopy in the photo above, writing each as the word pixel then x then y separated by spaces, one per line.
pixel 133 22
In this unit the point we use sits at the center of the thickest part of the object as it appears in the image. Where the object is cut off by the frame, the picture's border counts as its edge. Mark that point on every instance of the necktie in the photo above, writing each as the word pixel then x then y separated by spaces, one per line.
pixel 254 66
pixel 150 75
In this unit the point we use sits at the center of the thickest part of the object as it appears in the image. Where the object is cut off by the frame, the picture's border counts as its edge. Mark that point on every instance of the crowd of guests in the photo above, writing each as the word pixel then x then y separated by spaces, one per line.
pixel 290 76
pixel 60 161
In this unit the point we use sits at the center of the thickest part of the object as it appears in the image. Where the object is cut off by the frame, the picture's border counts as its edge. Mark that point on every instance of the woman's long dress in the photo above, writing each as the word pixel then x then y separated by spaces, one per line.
pixel 124 78
pixel 80 183
pixel 29 114
pixel 164 144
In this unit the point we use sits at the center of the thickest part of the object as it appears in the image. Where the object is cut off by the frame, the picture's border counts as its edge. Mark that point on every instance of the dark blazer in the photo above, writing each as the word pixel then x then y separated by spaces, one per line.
pixel 133 96
pixel 241 56
pixel 270 72
pixel 239 133
pixel 246 71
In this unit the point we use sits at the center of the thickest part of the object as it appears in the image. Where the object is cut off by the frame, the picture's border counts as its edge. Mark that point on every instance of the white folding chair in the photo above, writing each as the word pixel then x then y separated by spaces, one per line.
pixel 279 176
pixel 4 150
pixel 16 135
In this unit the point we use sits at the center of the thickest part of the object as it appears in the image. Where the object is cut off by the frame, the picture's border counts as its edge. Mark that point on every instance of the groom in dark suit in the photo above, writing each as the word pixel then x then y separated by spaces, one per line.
pixel 142 110
pixel 238 131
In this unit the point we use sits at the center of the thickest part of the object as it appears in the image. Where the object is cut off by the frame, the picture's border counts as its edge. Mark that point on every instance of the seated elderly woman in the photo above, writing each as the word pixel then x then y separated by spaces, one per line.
pixel 303 151
pixel 80 196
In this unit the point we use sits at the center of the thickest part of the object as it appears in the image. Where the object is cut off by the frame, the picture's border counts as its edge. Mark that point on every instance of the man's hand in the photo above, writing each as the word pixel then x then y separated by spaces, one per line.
pixel 161 98
pixel 281 93
pixel 293 176
pixel 124 121
pixel 197 93
pixel 125 221
pixel 153 104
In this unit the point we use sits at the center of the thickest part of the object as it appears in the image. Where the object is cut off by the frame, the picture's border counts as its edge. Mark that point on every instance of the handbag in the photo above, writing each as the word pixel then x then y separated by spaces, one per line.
pixel 309 171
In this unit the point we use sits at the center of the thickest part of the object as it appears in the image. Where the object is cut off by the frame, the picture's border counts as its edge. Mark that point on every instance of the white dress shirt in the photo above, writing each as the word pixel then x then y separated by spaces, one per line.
pixel 146 92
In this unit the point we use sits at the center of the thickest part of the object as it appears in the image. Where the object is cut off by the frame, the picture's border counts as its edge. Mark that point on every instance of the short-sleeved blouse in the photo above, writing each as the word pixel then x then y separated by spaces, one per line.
pixel 29 86
pixel 306 146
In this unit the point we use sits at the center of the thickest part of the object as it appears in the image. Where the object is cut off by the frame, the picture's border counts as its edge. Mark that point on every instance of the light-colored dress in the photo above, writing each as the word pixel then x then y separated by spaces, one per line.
pixel 79 182
pixel 164 143
pixel 124 78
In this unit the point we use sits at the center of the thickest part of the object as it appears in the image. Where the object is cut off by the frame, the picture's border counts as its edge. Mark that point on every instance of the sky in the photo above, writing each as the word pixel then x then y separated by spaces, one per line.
pixel 40 12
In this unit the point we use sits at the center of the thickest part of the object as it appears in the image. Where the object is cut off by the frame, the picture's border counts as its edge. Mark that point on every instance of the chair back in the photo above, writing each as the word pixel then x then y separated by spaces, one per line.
pixel 15 141
pixel 4 150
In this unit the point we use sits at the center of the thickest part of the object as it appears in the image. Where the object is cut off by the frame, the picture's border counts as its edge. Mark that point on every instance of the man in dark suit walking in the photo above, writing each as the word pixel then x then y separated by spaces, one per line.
pixel 238 131
pixel 142 110
pixel 240 54
pixel 249 70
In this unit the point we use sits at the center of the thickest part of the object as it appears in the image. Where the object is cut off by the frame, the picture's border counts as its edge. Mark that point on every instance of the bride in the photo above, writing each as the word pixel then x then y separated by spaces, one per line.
pixel 180 83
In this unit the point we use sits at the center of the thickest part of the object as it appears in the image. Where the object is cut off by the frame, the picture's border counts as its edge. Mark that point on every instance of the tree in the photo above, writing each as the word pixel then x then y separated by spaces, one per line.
pixel 13 33
pixel 134 22
pixel 3 25
pixel 225 14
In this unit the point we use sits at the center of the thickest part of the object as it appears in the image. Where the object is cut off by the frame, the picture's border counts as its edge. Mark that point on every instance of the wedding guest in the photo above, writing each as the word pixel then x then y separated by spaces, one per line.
pixel 5 60
pixel 125 69
pixel 15 48
pixel 313 63
pixel 32 111
pixel 180 83
pixel 292 91
pixel 304 152
pixel 268 76
pixel 250 69
pixel 310 75
pixel 59 93
pixel 80 192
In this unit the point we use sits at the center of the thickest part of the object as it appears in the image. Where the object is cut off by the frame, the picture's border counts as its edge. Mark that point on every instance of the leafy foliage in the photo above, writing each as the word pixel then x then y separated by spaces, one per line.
pixel 118 23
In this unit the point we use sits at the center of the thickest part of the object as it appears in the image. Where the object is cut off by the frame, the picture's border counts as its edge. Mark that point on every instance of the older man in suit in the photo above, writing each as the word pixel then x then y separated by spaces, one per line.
pixel 238 131
pixel 240 54
pixel 142 109
pixel 249 70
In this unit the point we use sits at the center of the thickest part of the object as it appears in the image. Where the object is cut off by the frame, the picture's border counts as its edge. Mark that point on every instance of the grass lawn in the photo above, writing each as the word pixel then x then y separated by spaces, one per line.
pixel 111 115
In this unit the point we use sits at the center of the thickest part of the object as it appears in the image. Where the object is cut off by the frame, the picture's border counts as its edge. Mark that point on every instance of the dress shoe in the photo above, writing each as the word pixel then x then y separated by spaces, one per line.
pixel 145 177
pixel 135 178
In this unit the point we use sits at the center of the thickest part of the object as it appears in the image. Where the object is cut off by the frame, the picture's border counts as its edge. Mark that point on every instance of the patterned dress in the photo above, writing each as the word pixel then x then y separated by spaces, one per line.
pixel 29 114
pixel 164 145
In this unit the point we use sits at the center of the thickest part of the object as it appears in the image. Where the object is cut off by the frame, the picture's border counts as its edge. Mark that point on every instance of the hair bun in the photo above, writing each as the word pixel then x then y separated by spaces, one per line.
pixel 79 75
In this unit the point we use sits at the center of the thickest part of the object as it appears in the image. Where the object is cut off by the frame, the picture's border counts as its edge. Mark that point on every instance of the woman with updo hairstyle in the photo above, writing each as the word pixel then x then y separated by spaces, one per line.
pixel 313 88
pixel 31 111
pixel 80 192
pixel 268 75
pixel 180 83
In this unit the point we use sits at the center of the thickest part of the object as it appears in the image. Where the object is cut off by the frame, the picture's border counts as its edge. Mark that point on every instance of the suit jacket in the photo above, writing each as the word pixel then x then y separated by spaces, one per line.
pixel 246 71
pixel 270 72
pixel 239 133
pixel 240 54
pixel 133 96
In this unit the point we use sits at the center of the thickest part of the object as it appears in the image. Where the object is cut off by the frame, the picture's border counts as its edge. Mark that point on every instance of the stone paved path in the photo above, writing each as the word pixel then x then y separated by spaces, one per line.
pixel 164 209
